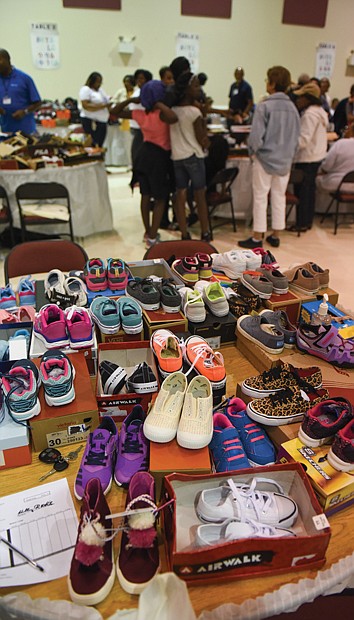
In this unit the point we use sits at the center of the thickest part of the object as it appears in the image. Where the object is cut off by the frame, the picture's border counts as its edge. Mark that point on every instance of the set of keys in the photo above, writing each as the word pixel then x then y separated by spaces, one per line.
pixel 53 457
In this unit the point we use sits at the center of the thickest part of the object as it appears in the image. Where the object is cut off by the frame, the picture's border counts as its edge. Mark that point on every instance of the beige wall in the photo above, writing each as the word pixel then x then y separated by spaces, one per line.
pixel 254 38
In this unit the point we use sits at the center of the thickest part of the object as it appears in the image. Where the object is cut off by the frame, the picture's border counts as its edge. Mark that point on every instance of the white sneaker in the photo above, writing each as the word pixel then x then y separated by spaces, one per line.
pixel 162 422
pixel 247 501
pixel 253 261
pixel 193 304
pixel 214 297
pixel 232 263
pixel 54 283
pixel 195 429
pixel 231 529
pixel 75 287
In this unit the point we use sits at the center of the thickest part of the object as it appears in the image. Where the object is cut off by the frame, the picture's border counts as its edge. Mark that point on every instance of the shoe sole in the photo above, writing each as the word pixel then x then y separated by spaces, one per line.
pixel 254 290
pixel 230 273
pixel 104 328
pixel 258 342
pixel 132 329
pixel 51 345
pixel 145 306
pixel 273 421
pixel 304 291
pixel 143 388
pixel 27 415
pixel 193 443
pixel 258 393
pixel 337 463
pixel 214 311
pixel 196 318
pixel 82 344
pixel 133 588
pixel 280 291
pixel 310 442
pixel 171 309
pixel 96 597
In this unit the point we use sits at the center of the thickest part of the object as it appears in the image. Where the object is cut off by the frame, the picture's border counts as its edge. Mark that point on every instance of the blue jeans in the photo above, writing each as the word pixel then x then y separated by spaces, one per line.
pixel 190 169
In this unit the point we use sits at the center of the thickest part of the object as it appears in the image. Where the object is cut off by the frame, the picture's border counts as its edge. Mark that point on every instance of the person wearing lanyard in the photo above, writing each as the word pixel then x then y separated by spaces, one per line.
pixel 19 98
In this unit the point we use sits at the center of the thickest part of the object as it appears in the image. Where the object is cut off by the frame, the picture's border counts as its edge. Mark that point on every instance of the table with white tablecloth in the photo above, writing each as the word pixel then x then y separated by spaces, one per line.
pixel 88 189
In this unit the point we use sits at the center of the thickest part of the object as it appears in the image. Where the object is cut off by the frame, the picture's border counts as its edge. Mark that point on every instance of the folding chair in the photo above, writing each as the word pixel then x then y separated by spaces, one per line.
pixel 43 211
pixel 223 178
pixel 340 196
pixel 5 213
pixel 42 256
pixel 296 178
pixel 179 249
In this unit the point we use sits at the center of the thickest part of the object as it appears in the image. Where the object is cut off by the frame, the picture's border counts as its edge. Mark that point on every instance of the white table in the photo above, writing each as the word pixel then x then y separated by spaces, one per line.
pixel 88 189
pixel 118 145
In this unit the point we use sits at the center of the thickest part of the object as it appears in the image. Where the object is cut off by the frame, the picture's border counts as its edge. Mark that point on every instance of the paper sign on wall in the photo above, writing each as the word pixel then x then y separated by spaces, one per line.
pixel 325 57
pixel 188 45
pixel 45 45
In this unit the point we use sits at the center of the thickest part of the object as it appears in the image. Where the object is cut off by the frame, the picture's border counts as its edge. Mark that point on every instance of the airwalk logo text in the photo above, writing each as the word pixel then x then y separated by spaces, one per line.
pixel 235 561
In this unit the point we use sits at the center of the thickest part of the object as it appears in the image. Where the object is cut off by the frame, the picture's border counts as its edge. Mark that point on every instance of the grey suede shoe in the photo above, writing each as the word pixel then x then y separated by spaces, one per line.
pixel 257 283
pixel 279 281
pixel 260 332
pixel 279 318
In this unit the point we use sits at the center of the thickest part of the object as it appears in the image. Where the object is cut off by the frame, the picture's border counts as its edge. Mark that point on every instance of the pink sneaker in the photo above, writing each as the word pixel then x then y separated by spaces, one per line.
pixel 79 326
pixel 95 275
pixel 50 327
pixel 187 269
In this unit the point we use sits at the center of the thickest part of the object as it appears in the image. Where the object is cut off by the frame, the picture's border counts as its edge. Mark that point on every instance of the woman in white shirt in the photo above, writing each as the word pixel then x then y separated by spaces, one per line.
pixel 94 104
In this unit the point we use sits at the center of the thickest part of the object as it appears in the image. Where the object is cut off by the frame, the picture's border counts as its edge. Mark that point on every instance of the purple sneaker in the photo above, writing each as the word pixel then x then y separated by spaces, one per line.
pixel 133 447
pixel 326 343
pixel 99 457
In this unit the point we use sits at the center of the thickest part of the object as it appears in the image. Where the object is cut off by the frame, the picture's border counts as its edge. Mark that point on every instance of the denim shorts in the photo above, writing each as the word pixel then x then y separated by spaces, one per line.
pixel 190 169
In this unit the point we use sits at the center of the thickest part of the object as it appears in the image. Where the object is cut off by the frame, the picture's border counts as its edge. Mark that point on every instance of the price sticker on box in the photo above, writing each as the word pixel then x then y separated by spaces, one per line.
pixel 74 434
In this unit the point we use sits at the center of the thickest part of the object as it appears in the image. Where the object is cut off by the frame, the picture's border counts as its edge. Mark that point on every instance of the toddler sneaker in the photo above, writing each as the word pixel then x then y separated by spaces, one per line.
pixel 279 318
pixel 286 406
pixel 133 448
pixel 195 429
pixel 242 501
pixel 316 270
pixel 95 275
pixel 113 377
pixel 117 274
pixel 99 457
pixel 162 422
pixel 257 284
pixel 255 441
pixel 50 327
pixel 57 376
pixel 322 422
pixel 27 292
pixel 54 285
pixel 138 560
pixel 145 292
pixel 232 529
pixel 142 380
pixel 301 280
pixel 105 313
pixel 79 327
pixel 130 314
pixel 278 280
pixel 341 453
pixel 193 304
pixel 204 265
pixel 325 342
pixel 7 297
pixel 169 296
pixel 232 263
pixel 167 350
pixel 257 330
pixel 92 571
pixel 213 297
pixel 21 385
pixel 226 447
pixel 76 289
pixel 187 269
pixel 201 357
pixel 279 378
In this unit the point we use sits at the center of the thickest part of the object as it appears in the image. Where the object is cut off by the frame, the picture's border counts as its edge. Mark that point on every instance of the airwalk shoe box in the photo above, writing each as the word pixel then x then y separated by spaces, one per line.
pixel 246 557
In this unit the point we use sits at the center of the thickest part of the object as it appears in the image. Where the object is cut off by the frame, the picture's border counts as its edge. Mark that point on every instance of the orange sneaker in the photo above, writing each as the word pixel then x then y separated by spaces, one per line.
pixel 167 350
pixel 202 358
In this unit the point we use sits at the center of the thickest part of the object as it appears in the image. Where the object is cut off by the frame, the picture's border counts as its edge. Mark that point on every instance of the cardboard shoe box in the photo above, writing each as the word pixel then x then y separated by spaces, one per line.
pixel 14 444
pixel 69 424
pixel 259 358
pixel 334 489
pixel 289 303
pixel 157 267
pixel 217 331
pixel 243 557
pixel 175 322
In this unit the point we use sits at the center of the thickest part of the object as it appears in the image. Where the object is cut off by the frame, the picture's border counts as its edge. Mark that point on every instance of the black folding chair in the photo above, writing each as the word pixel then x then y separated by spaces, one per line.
pixel 222 180
pixel 43 211
pixel 340 196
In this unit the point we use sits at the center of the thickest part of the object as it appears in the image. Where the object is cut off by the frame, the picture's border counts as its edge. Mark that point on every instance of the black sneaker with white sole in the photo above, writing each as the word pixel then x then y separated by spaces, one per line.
pixel 145 292
pixel 113 377
pixel 170 297
pixel 142 380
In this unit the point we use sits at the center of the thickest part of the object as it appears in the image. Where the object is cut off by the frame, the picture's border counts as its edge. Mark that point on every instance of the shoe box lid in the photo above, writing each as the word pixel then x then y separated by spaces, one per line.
pixel 127 355
pixel 259 358
pixel 157 267
pixel 251 557
pixel 334 489
pixel 289 302
pixel 159 319
pixel 7 330
pixel 68 424
pixel 216 330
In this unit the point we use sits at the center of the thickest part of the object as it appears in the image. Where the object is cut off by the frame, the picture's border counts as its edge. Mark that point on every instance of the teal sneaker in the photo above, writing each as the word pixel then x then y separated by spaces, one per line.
pixel 131 316
pixel 20 387
pixel 105 313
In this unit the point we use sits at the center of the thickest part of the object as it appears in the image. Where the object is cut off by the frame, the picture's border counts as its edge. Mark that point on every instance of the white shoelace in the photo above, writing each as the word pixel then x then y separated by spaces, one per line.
pixel 248 496
pixel 203 350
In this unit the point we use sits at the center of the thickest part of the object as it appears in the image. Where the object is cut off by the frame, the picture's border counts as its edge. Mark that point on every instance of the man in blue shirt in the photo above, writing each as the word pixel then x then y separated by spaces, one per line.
pixel 19 98
pixel 241 97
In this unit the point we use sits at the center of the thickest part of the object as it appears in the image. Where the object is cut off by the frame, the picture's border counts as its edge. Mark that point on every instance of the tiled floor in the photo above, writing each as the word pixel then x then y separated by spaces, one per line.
pixel 318 245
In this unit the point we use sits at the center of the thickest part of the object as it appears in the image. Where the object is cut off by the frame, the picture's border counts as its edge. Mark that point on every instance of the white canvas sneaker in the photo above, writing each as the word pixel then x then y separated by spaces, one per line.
pixel 241 501
pixel 213 297
pixel 232 529
pixel 195 429
pixel 232 263
pixel 193 304
pixel 162 422
pixel 253 261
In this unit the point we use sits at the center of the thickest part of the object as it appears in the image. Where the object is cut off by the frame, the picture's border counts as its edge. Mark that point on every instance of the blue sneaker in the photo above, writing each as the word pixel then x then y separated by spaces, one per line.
pixel 7 297
pixel 22 334
pixel 57 374
pixel 131 315
pixel 27 292
pixel 21 386
pixel 257 445
pixel 226 447
pixel 105 313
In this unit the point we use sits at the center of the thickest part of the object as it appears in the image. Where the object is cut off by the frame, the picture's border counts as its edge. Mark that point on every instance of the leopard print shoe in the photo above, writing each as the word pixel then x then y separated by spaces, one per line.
pixel 286 406
pixel 279 378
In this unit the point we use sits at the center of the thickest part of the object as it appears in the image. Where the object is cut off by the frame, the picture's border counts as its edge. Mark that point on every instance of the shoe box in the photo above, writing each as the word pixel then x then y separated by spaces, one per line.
pixel 252 557
pixel 217 331
pixel 333 296
pixel 127 355
pixel 90 353
pixel 159 319
pixel 259 358
pixel 334 489
pixel 119 336
pixel 18 348
pixel 167 458
pixel 15 447
pixel 157 267
pixel 338 381
pixel 69 424
pixel 340 319
pixel 289 303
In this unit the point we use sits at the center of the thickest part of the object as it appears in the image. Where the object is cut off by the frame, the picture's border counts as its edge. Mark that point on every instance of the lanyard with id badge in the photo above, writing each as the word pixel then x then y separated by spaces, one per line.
pixel 6 100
